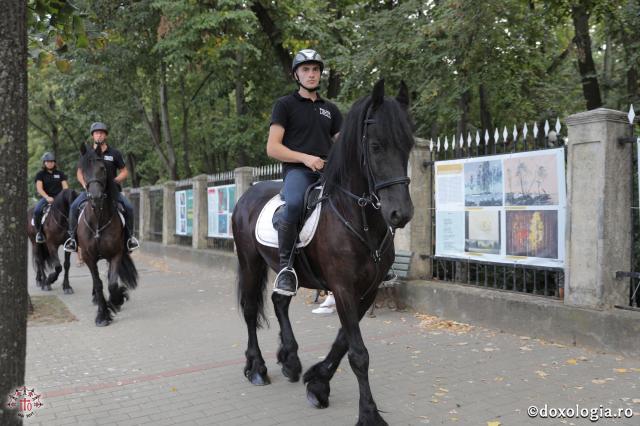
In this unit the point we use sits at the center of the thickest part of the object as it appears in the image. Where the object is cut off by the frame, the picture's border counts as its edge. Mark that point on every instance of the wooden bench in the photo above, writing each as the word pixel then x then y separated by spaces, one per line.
pixel 389 289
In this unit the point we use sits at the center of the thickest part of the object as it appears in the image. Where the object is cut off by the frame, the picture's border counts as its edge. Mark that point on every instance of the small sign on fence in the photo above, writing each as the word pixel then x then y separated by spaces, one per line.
pixel 220 203
pixel 184 212
pixel 504 208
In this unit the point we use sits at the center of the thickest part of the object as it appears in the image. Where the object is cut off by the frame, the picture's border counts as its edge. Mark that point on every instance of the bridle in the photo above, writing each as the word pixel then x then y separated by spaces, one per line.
pixel 99 228
pixel 370 198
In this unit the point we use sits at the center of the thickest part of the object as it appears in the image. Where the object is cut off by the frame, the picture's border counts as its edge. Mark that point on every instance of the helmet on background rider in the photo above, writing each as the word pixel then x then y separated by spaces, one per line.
pixel 98 126
pixel 48 156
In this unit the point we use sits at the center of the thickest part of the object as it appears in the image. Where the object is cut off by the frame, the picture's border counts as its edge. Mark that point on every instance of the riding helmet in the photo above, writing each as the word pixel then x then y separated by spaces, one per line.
pixel 305 56
pixel 98 126
pixel 48 156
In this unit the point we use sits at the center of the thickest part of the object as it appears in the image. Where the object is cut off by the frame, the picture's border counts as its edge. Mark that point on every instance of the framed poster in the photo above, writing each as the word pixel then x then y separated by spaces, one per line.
pixel 220 204
pixel 184 212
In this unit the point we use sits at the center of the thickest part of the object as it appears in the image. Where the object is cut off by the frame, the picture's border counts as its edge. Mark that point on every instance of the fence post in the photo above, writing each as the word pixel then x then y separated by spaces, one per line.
pixel 243 177
pixel 200 217
pixel 416 235
pixel 598 226
pixel 169 213
pixel 144 216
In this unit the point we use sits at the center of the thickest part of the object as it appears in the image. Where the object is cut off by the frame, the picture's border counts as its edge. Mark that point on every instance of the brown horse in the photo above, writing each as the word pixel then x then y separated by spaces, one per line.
pixel 101 236
pixel 45 255
pixel 367 198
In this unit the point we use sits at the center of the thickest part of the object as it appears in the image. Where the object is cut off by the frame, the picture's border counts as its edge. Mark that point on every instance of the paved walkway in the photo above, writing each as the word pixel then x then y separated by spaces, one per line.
pixel 175 354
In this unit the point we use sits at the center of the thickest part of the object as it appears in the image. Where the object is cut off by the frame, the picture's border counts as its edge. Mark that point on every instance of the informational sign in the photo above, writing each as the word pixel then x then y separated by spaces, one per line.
pixel 184 212
pixel 220 204
pixel 504 208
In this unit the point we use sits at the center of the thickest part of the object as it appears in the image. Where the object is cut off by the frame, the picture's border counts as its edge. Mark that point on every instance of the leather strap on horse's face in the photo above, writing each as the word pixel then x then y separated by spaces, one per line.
pixel 375 186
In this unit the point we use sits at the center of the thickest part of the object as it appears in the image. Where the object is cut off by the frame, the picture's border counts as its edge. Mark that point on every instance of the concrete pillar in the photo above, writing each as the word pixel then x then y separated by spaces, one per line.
pixel 169 213
pixel 598 231
pixel 243 177
pixel 144 215
pixel 416 235
pixel 200 217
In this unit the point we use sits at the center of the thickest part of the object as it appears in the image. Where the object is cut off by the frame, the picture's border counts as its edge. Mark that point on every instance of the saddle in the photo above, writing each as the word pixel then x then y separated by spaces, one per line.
pixel 119 207
pixel 267 225
pixel 45 213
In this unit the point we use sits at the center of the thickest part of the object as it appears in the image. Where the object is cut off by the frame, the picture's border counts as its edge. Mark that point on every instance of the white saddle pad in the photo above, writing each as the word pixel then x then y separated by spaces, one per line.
pixel 268 236
pixel 44 216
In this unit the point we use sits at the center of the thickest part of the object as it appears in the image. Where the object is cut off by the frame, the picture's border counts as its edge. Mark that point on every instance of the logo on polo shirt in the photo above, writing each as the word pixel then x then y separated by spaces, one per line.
pixel 108 157
pixel 325 112
pixel 56 176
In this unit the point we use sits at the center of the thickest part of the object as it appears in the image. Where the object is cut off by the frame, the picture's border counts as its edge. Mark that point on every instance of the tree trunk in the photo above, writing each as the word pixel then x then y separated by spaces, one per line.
pixel 166 127
pixel 133 172
pixel 333 90
pixel 582 39
pixel 274 34
pixel 13 203
pixel 185 128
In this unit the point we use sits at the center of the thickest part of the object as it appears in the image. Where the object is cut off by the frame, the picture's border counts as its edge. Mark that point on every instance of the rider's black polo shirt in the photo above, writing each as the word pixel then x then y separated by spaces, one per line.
pixel 51 181
pixel 308 125
pixel 113 161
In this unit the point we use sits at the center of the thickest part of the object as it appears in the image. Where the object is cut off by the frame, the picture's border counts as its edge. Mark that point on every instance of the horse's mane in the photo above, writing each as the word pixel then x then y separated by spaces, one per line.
pixel 63 200
pixel 393 126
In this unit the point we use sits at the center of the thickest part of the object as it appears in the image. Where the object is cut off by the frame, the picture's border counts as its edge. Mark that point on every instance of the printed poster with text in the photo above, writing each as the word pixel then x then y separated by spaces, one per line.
pixel 504 208
pixel 184 212
pixel 220 204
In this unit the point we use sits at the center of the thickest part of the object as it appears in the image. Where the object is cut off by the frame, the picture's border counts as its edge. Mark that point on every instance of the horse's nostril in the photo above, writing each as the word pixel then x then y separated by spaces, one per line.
pixel 395 218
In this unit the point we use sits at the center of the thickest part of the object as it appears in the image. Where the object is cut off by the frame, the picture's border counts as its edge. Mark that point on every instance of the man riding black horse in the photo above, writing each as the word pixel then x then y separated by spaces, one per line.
pixel 116 171
pixel 49 182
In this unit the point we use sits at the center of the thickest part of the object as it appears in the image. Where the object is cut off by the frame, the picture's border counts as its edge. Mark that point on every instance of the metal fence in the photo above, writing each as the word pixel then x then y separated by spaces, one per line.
pixel 135 201
pixel 156 197
pixel 536 280
pixel 268 172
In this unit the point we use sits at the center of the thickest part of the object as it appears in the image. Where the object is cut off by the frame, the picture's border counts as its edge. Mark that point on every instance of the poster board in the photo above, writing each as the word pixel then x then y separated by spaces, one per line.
pixel 184 212
pixel 506 208
pixel 220 204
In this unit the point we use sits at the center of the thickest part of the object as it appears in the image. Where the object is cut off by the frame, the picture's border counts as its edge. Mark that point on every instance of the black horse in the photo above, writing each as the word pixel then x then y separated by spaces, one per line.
pixel 366 185
pixel 101 236
pixel 45 256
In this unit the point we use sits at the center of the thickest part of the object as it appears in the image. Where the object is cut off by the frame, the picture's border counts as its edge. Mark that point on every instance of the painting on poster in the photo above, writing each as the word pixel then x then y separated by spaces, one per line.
pixel 184 212
pixel 221 201
pixel 483 183
pixel 531 180
pixel 532 233
pixel 482 231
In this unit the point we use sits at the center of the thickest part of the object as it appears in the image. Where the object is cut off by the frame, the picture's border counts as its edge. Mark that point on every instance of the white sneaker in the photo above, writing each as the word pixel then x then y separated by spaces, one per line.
pixel 323 310
pixel 328 302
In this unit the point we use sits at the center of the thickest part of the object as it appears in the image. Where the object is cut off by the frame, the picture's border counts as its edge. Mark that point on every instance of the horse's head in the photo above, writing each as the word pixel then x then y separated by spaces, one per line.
pixel 95 175
pixel 386 143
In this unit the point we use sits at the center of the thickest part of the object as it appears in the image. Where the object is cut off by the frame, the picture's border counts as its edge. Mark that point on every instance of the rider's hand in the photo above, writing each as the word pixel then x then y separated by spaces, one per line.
pixel 49 200
pixel 313 162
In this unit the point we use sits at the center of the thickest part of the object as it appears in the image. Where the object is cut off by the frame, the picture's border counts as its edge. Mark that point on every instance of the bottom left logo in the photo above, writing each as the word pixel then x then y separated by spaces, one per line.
pixel 25 400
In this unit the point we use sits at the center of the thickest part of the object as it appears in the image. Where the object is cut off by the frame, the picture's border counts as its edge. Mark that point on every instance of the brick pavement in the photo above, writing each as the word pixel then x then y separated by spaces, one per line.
pixel 174 355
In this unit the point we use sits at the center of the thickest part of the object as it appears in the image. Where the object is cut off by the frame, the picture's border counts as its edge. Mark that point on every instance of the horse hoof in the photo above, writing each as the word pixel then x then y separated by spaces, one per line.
pixel 291 375
pixel 103 322
pixel 315 401
pixel 258 379
pixel 318 394
pixel 47 287
pixel 68 290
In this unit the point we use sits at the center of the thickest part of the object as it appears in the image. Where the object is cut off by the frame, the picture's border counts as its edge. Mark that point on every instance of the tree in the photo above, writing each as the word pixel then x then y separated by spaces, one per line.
pixel 13 201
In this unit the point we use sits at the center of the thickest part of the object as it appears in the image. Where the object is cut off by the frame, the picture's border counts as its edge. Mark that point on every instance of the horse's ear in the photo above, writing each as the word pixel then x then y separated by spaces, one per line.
pixel 377 96
pixel 403 95
pixel 83 148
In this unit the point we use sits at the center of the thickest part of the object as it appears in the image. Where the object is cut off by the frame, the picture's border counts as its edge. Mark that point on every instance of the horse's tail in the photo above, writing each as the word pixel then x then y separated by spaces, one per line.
pixel 42 256
pixel 248 294
pixel 127 272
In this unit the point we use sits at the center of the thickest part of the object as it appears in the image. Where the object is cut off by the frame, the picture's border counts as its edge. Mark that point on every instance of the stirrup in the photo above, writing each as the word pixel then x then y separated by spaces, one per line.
pixel 133 244
pixel 282 291
pixel 71 246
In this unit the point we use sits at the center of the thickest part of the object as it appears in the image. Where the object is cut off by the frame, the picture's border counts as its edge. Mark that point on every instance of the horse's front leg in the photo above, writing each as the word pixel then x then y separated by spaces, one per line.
pixel 103 318
pixel 57 267
pixel 65 283
pixel 288 352
pixel 117 294
pixel 349 309
pixel 317 377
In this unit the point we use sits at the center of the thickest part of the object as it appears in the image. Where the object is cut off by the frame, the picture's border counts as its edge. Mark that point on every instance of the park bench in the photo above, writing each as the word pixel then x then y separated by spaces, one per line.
pixel 389 289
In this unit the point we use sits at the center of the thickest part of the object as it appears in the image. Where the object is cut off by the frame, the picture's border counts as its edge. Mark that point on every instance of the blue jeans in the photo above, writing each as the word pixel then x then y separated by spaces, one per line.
pixel 296 181
pixel 128 212
pixel 37 213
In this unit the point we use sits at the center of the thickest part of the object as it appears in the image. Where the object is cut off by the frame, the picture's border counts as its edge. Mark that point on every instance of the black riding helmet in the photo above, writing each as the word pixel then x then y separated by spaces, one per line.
pixel 98 126
pixel 48 156
pixel 305 56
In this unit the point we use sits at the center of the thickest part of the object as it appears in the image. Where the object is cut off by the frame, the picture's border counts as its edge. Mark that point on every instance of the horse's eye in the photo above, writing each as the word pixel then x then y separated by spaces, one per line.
pixel 377 147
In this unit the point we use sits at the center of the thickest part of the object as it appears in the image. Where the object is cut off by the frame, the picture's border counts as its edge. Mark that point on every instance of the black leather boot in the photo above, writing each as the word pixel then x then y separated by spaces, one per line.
pixel 287 280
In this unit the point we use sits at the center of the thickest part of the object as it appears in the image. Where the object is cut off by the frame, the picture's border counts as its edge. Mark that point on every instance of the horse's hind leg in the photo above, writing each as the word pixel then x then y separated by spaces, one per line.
pixel 57 267
pixel 252 279
pixel 65 283
pixel 117 294
pixel 288 352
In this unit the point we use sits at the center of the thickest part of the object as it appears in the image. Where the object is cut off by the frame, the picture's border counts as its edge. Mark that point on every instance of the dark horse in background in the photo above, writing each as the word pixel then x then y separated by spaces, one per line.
pixel 45 255
pixel 366 185
pixel 101 236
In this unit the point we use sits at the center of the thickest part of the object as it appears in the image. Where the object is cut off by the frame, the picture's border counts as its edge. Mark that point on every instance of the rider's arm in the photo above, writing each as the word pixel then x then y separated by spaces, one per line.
pixel 65 184
pixel 277 150
pixel 123 173
pixel 80 178
pixel 41 191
